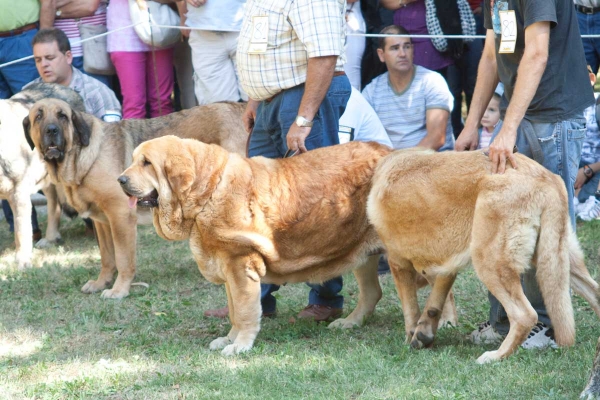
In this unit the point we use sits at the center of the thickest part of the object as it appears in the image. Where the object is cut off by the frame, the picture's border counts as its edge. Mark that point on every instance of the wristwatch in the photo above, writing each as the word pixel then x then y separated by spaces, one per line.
pixel 303 122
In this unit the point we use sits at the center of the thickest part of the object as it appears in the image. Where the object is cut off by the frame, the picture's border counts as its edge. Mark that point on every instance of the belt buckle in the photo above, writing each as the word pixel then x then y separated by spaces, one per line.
pixel 589 10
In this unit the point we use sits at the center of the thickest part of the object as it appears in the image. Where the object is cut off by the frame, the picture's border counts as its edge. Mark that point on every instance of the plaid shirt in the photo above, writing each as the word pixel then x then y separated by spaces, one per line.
pixel 298 30
pixel 97 97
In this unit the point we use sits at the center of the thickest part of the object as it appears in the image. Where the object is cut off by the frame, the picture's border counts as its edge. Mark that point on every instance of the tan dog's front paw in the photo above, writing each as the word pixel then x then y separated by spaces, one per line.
pixel 219 343
pixel 93 286
pixel 488 357
pixel 344 323
pixel 236 348
pixel 114 294
pixel 423 337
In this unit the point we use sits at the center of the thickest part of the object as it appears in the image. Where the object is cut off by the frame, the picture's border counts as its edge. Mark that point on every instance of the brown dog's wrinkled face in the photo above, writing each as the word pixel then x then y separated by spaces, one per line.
pixel 54 128
pixel 140 181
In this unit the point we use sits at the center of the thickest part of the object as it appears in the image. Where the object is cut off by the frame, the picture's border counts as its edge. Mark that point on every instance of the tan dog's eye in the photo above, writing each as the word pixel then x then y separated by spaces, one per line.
pixel 38 116
pixel 147 163
pixel 62 116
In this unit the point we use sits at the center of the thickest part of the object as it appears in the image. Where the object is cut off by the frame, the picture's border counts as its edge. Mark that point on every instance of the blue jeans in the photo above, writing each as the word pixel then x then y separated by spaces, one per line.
pixel 78 63
pixel 268 139
pixel 589 24
pixel 15 76
pixel 561 145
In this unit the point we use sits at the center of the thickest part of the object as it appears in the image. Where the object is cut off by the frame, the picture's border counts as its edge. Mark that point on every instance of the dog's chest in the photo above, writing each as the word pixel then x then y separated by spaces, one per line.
pixel 84 207
pixel 208 265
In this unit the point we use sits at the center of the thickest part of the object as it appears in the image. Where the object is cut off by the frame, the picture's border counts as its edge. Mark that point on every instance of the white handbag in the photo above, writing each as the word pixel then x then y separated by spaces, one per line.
pixel 146 14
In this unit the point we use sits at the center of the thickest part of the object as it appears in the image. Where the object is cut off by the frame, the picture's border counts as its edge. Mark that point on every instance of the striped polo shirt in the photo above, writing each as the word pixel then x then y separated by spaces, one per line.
pixel 403 114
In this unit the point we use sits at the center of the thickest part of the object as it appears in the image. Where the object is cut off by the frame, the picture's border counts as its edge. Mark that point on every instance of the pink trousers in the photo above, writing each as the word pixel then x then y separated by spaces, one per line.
pixel 139 75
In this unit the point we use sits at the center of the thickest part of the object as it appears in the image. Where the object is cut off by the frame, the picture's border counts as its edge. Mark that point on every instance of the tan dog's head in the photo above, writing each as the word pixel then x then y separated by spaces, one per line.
pixel 174 177
pixel 55 128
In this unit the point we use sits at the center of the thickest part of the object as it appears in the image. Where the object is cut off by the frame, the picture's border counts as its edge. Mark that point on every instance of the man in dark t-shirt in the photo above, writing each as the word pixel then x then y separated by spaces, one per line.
pixel 534 48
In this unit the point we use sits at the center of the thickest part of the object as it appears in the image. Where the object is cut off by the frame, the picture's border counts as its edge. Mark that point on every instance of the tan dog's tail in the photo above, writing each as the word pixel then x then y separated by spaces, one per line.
pixel 581 281
pixel 552 262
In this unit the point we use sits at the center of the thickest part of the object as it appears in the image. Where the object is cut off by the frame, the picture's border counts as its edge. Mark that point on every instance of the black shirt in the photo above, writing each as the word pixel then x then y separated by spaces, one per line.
pixel 564 90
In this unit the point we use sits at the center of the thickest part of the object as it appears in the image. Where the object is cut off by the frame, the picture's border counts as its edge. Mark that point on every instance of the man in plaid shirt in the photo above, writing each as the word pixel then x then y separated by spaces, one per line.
pixel 290 60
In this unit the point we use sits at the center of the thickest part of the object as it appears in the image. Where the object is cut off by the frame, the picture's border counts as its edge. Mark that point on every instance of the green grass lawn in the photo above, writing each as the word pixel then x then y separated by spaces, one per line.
pixel 57 343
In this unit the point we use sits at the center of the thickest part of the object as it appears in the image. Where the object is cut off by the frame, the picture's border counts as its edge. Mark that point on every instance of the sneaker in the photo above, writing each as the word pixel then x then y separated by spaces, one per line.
pixel 485 334
pixel 577 205
pixel 593 213
pixel 584 208
pixel 540 337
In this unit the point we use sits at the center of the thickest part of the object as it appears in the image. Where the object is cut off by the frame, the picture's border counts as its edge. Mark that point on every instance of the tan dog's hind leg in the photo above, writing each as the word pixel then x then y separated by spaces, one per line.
pixel 107 257
pixel 52 235
pixel 505 285
pixel 428 323
pixel 243 297
pixel 405 277
pixel 449 315
pixel 124 234
pixel 368 296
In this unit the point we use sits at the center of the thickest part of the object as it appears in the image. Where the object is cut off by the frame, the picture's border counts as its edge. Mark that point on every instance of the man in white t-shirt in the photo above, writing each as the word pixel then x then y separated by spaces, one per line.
pixel 412 102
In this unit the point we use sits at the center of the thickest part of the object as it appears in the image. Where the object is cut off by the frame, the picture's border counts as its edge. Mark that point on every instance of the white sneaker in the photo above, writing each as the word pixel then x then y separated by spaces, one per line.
pixel 592 213
pixel 540 337
pixel 485 334
pixel 584 208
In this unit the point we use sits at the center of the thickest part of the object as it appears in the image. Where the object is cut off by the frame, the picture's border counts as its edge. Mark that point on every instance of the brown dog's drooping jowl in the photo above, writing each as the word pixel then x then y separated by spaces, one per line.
pixel 300 219
pixel 437 213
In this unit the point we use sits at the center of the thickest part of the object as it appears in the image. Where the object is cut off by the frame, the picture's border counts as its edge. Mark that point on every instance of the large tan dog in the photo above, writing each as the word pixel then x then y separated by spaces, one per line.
pixel 85 156
pixel 438 212
pixel 300 219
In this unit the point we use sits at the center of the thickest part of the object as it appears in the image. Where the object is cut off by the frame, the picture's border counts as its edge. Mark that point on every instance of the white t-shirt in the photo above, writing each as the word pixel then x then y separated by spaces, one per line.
pixel 361 122
pixel 404 114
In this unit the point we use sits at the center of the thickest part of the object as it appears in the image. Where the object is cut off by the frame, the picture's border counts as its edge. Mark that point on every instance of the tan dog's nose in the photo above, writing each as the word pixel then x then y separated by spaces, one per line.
pixel 123 179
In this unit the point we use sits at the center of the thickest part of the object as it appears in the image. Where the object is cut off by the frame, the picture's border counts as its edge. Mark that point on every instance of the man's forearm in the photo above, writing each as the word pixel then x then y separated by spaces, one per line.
pixel 47 13
pixel 318 79
pixel 529 74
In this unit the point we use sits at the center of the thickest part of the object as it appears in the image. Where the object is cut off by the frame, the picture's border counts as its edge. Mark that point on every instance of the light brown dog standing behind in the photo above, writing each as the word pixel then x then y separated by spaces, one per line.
pixel 438 212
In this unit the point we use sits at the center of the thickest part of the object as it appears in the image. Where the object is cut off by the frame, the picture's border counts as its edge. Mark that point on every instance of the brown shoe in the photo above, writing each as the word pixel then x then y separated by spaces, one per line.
pixel 224 313
pixel 37 235
pixel 320 313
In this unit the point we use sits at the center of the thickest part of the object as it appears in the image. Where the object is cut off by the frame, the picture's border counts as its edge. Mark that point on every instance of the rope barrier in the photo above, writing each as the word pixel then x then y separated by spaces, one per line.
pixel 370 35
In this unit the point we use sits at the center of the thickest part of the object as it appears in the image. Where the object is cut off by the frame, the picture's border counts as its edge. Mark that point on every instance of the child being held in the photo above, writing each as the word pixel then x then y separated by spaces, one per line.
pixel 490 122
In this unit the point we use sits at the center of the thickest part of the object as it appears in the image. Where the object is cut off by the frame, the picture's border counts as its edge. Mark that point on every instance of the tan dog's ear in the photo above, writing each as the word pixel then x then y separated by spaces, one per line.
pixel 81 129
pixel 181 172
pixel 26 128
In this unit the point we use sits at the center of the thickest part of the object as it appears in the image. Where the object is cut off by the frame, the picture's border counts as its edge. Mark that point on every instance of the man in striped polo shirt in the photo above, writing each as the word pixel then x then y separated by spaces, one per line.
pixel 412 102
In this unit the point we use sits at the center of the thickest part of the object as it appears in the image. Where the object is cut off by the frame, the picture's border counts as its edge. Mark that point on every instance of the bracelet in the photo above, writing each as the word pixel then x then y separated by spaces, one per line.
pixel 597 194
pixel 588 171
